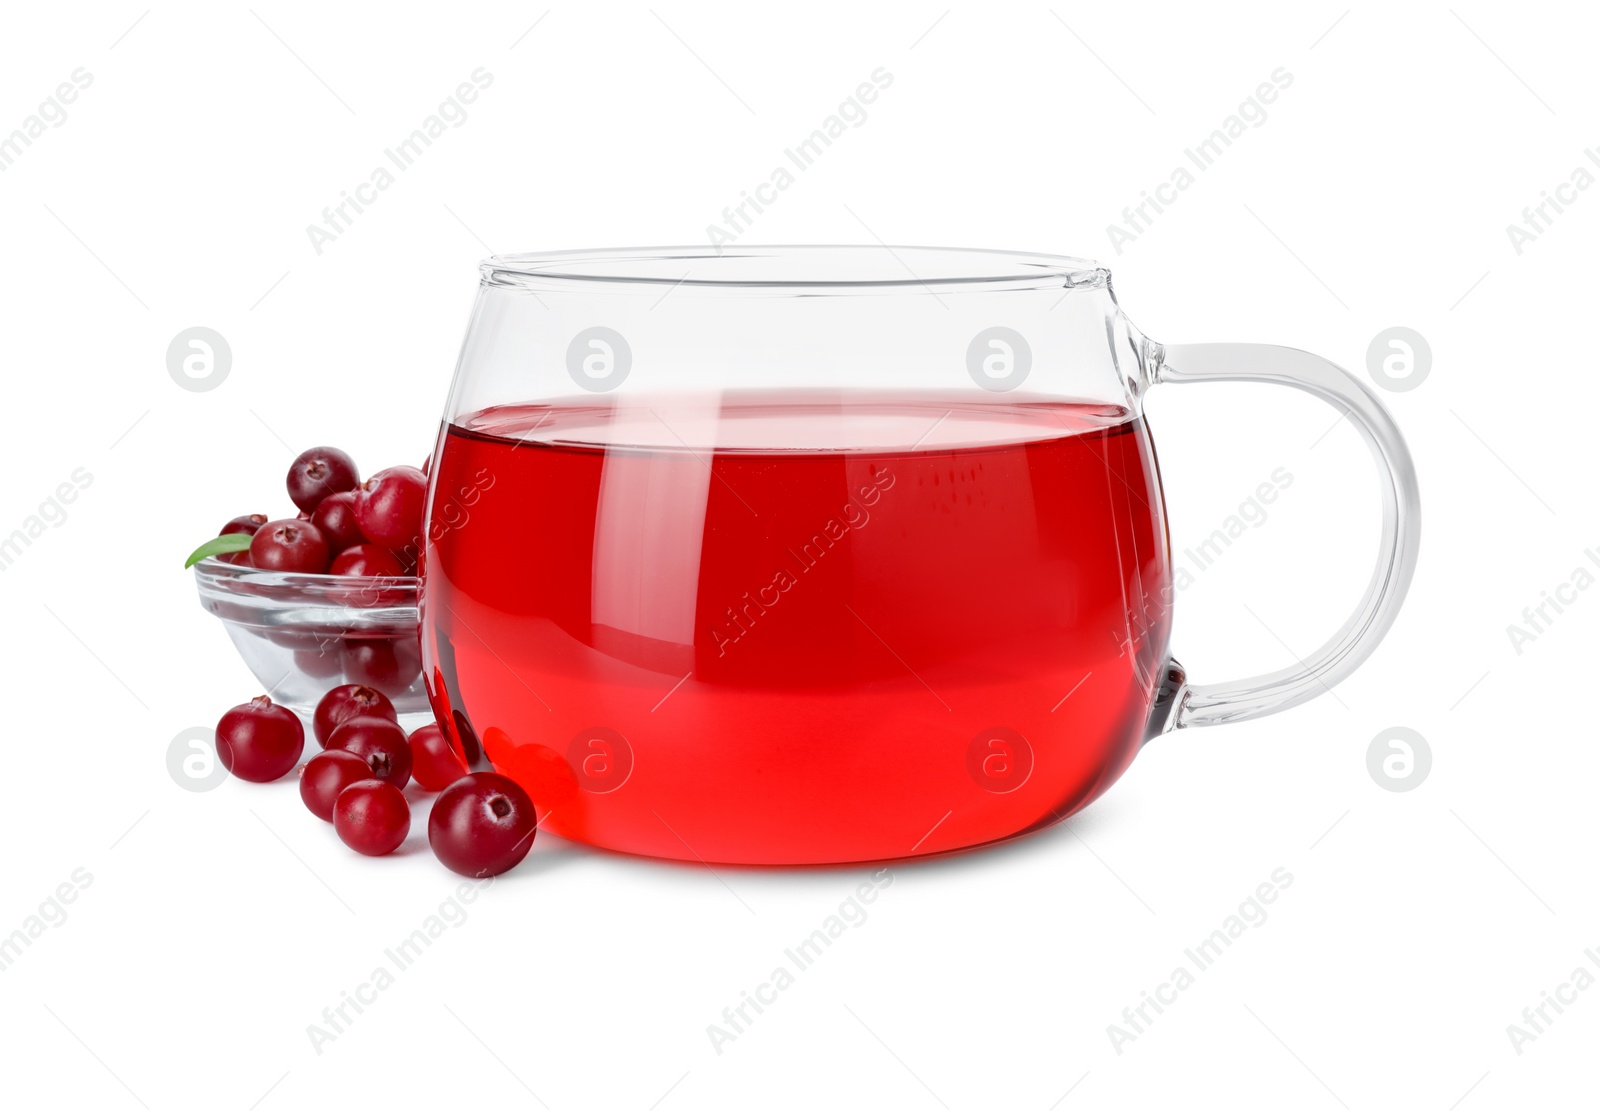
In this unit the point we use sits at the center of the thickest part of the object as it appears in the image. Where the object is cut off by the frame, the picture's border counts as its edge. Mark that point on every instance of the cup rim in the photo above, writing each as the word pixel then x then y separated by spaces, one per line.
pixel 825 268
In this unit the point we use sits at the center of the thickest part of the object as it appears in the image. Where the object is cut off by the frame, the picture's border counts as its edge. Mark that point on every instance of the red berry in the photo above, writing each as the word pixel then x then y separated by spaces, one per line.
pixel 434 762
pixel 296 637
pixel 248 523
pixel 259 741
pixel 289 545
pixel 389 508
pixel 326 776
pixel 372 817
pixel 482 825
pixel 346 702
pixel 380 742
pixel 366 560
pixel 318 474
pixel 392 665
pixel 336 517
pixel 320 663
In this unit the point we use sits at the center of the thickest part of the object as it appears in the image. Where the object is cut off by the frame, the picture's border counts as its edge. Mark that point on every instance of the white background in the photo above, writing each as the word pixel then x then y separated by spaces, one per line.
pixel 1377 193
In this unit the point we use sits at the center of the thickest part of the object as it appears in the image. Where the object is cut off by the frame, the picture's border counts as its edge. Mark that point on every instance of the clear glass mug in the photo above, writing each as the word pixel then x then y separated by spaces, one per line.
pixel 801 555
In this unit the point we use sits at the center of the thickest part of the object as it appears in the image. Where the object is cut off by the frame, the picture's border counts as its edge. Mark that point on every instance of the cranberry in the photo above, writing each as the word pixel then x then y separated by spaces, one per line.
pixel 248 523
pixel 259 741
pixel 320 663
pixel 381 663
pixel 372 817
pixel 435 764
pixel 366 560
pixel 326 776
pixel 482 825
pixel 381 742
pixel 346 702
pixel 389 508
pixel 320 473
pixel 336 517
pixel 296 637
pixel 289 546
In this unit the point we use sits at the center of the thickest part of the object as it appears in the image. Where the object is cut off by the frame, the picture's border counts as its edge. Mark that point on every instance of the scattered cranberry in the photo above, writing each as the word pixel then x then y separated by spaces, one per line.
pixel 336 517
pixel 346 702
pixel 366 560
pixel 320 473
pixel 372 817
pixel 380 742
pixel 289 546
pixel 326 776
pixel 381 663
pixel 259 741
pixel 434 762
pixel 482 825
pixel 389 507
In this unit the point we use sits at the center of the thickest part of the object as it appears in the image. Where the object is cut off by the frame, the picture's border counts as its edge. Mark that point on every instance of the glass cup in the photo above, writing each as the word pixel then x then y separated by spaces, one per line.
pixel 827 554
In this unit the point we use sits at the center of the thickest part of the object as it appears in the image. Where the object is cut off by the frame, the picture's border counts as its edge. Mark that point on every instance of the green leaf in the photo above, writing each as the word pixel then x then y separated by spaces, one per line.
pixel 228 542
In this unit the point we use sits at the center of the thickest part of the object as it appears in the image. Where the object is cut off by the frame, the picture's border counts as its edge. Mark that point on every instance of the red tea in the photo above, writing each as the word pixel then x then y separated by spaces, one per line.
pixel 798 630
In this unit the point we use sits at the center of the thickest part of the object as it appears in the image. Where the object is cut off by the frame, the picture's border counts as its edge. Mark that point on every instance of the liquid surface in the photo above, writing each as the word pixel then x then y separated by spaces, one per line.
pixel 803 630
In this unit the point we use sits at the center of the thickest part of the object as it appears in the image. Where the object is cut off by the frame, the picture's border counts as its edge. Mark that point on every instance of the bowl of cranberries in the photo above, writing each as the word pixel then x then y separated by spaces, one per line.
pixel 329 594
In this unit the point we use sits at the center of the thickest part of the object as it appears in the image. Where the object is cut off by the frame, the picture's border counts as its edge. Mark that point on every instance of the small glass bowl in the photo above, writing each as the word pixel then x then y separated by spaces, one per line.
pixel 303 634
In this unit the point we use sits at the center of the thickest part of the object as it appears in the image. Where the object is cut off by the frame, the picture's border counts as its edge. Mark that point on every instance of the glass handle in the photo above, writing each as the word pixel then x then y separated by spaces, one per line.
pixel 1199 705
